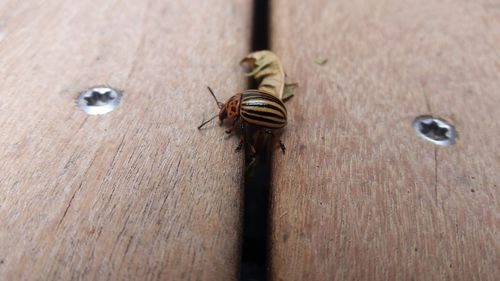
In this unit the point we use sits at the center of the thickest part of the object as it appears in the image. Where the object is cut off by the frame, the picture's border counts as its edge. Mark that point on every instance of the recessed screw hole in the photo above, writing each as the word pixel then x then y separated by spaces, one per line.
pixel 99 100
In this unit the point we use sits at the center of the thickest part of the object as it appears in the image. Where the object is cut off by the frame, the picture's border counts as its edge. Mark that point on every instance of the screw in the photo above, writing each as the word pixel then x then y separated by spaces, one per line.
pixel 435 130
pixel 99 100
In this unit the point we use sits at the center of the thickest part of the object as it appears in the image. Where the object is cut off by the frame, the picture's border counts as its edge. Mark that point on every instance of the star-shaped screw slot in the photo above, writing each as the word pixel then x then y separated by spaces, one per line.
pixel 98 98
pixel 434 131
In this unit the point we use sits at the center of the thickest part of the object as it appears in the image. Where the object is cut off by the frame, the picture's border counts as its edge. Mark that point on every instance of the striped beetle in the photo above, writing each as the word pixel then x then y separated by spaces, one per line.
pixel 253 107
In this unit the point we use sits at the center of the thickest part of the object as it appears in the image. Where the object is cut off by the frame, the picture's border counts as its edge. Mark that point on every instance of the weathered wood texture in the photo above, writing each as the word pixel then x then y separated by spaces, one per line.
pixel 359 196
pixel 139 193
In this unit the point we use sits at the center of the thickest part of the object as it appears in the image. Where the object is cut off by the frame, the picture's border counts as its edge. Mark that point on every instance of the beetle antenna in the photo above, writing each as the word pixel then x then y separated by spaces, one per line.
pixel 205 122
pixel 219 104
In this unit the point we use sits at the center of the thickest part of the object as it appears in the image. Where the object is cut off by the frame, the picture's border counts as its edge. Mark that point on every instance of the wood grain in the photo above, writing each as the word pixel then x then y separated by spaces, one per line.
pixel 359 196
pixel 139 193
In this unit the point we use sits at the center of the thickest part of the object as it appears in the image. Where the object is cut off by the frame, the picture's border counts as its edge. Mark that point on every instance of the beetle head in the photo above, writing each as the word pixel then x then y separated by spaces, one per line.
pixel 230 108
pixel 223 113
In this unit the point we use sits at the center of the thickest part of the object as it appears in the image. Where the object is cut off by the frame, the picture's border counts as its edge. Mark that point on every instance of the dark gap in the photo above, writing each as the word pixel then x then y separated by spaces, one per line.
pixel 257 181
pixel 260 25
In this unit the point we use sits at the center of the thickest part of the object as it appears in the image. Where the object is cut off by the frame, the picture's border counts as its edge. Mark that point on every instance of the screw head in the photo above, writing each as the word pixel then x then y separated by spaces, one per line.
pixel 435 130
pixel 99 100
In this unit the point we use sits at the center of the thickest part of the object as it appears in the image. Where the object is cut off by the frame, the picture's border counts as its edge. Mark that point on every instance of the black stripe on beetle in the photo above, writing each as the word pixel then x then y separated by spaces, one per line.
pixel 262 118
pixel 259 103
pixel 264 113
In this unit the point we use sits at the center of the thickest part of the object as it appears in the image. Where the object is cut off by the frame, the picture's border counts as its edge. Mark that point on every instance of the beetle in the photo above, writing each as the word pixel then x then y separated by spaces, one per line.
pixel 252 107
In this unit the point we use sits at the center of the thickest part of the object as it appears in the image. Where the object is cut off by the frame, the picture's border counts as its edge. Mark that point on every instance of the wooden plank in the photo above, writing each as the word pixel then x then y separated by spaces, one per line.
pixel 359 196
pixel 139 193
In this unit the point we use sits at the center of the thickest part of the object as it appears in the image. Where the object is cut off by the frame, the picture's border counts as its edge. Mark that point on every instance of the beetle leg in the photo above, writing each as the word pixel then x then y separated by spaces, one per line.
pixel 230 130
pixel 281 145
pixel 250 164
pixel 240 145
pixel 253 151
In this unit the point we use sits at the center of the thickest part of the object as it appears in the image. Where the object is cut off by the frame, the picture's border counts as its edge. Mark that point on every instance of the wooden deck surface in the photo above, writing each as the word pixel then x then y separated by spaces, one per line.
pixel 360 196
pixel 141 194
